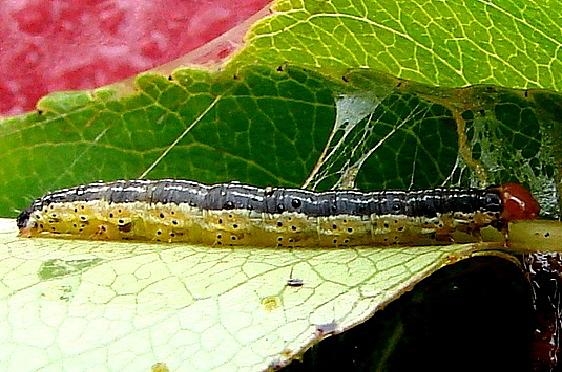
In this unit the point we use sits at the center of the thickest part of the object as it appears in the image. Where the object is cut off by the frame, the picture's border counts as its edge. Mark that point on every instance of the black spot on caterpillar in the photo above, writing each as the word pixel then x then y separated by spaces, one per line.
pixel 238 214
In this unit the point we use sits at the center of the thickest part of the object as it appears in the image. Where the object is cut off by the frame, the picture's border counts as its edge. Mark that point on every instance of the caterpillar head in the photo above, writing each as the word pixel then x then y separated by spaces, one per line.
pixel 518 203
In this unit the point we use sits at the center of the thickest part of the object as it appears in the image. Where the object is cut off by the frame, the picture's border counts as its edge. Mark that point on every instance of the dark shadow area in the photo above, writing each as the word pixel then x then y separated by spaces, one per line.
pixel 475 315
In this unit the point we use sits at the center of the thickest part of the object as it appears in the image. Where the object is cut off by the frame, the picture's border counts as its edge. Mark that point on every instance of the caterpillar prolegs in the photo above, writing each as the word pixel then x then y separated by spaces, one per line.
pixel 238 214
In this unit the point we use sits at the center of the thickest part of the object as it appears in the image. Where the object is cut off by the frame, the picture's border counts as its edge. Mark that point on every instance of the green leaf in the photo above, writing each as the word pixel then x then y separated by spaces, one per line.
pixel 306 103
pixel 289 127
pixel 453 43
pixel 192 308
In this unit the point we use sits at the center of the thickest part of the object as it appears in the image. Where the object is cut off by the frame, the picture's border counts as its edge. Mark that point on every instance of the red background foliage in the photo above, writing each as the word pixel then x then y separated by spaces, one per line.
pixel 50 45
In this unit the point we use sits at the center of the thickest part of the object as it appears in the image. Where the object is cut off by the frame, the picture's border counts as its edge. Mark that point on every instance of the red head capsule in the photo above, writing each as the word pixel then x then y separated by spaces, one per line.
pixel 518 203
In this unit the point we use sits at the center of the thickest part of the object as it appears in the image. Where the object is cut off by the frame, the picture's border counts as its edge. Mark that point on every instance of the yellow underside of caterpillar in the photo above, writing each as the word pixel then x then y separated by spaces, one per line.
pixel 99 220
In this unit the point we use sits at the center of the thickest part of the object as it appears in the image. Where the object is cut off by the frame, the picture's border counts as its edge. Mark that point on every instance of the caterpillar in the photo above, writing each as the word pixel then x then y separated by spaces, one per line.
pixel 238 214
